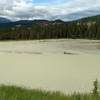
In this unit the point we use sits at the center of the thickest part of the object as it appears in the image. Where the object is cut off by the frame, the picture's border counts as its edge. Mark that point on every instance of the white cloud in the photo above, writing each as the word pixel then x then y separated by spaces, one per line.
pixel 26 9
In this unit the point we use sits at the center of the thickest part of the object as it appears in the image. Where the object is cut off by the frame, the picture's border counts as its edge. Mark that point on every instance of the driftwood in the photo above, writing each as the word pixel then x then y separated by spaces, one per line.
pixel 69 53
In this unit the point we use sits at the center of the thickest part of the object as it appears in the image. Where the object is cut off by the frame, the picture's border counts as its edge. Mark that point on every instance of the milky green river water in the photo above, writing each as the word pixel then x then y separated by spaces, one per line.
pixel 43 64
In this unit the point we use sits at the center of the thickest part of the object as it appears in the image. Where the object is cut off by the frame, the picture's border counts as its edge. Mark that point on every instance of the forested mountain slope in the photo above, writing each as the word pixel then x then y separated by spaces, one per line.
pixel 86 28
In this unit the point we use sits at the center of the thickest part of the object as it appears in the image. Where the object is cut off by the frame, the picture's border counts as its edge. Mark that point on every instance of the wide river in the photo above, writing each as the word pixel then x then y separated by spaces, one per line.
pixel 62 65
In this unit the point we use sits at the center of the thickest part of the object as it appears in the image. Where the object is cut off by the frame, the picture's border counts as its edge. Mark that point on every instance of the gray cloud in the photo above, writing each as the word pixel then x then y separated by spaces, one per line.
pixel 26 9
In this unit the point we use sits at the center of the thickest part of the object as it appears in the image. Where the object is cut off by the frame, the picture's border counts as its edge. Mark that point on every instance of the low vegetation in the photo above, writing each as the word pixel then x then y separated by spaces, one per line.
pixel 18 93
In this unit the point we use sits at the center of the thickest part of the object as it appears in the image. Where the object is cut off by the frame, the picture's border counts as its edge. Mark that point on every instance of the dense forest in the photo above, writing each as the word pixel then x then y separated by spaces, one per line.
pixel 86 28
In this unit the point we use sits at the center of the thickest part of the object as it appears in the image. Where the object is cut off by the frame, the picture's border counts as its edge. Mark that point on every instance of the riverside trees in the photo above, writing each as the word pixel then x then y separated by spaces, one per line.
pixel 51 30
pixel 96 87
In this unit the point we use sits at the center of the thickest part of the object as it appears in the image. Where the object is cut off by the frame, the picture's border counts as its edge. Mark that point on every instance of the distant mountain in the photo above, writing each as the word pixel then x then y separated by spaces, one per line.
pixel 90 19
pixel 4 20
pixel 28 23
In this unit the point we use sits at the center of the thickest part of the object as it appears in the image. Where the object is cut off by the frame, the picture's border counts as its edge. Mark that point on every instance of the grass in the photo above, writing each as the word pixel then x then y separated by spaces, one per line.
pixel 19 93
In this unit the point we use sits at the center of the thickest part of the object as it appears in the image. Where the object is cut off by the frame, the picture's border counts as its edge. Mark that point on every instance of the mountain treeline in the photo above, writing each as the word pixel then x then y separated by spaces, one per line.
pixel 42 29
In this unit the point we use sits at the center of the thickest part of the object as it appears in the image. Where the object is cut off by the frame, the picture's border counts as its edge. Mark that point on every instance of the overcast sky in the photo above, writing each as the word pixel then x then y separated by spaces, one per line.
pixel 48 9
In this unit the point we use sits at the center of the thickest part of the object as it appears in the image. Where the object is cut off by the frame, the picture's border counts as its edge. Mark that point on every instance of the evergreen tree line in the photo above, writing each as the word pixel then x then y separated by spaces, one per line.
pixel 73 30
